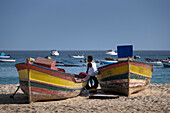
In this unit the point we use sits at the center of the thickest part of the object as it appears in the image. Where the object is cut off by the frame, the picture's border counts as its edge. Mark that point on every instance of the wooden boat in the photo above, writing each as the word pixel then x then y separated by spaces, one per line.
pixel 126 76
pixel 42 81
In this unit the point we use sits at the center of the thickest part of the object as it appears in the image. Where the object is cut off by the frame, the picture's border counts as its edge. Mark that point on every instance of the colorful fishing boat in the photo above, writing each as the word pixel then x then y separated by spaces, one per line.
pixel 127 76
pixel 42 81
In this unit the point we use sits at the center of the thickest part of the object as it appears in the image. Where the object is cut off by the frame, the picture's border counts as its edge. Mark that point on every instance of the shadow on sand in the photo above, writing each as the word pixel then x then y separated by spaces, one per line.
pixel 19 98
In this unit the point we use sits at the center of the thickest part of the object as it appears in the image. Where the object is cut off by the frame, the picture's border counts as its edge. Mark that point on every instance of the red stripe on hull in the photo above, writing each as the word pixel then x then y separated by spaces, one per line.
pixel 54 93
pixel 21 66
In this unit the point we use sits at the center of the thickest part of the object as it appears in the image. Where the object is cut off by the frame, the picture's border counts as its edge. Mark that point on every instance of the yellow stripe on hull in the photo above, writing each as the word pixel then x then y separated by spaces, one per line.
pixel 23 74
pixel 141 70
pixel 42 77
pixel 114 71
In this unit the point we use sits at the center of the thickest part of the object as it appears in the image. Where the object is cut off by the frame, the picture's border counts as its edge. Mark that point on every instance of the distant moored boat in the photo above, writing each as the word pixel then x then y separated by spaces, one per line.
pixel 76 56
pixel 111 52
pixel 2 55
pixel 6 58
pixel 166 62
pixel 54 53
pixel 155 62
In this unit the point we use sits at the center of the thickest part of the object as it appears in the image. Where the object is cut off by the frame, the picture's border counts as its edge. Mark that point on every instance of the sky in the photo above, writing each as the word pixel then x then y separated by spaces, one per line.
pixel 84 24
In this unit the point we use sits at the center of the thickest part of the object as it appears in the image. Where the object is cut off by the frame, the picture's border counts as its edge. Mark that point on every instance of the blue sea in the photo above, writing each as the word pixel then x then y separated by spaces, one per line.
pixel 9 74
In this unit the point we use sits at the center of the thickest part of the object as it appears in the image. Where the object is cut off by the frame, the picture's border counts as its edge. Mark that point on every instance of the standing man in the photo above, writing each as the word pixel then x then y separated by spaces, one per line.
pixel 91 70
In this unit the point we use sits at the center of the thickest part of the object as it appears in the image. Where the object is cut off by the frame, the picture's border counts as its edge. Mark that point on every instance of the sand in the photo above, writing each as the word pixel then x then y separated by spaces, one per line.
pixel 154 99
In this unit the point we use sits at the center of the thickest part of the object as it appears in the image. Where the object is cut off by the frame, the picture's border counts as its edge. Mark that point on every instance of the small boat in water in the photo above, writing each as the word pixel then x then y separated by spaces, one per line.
pixel 2 55
pixel 111 52
pixel 77 56
pixel 155 62
pixel 166 63
pixel 42 81
pixel 126 76
pixel 54 53
pixel 6 58
pixel 108 61
pixel 136 57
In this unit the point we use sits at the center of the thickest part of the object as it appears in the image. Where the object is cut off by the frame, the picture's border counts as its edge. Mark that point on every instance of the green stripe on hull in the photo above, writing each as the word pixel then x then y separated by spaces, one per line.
pixel 50 87
pixel 117 77
pixel 134 76
pixel 47 86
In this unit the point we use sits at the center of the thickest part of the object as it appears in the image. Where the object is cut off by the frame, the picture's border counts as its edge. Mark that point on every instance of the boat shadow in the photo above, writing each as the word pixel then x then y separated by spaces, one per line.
pixel 19 98
pixel 103 97
pixel 99 94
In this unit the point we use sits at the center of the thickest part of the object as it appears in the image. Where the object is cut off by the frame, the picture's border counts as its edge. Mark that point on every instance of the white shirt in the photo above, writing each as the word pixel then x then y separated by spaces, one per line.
pixel 93 69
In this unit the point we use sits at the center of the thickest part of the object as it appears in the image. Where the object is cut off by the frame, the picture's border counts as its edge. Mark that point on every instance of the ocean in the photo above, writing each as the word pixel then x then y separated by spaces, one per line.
pixel 9 74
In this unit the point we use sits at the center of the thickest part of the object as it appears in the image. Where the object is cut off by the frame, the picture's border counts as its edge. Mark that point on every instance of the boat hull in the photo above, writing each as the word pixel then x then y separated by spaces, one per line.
pixel 125 77
pixel 5 56
pixel 7 60
pixel 41 83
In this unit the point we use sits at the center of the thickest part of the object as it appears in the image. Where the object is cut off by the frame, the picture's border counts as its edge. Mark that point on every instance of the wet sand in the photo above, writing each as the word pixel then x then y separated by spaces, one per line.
pixel 154 99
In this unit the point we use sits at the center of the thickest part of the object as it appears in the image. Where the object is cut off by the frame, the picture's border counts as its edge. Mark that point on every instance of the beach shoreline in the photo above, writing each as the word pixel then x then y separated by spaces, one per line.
pixel 153 99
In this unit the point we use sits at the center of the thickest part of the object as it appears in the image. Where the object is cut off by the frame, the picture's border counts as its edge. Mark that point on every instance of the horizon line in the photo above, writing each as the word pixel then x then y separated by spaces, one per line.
pixel 75 50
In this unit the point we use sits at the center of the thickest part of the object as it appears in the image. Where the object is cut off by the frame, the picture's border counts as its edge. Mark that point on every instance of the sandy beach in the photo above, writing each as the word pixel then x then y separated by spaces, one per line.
pixel 154 99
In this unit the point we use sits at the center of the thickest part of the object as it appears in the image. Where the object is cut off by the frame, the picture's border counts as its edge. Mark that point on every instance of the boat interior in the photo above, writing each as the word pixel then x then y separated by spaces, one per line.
pixel 48 63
